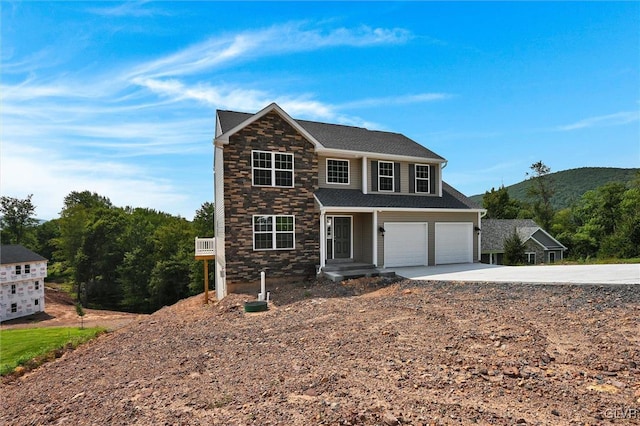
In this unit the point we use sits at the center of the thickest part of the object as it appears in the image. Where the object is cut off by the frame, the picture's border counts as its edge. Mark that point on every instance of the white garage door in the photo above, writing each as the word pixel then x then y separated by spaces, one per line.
pixel 454 243
pixel 405 244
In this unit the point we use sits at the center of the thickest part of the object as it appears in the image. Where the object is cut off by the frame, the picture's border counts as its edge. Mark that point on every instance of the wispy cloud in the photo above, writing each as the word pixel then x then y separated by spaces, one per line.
pixel 278 39
pixel 396 100
pixel 617 119
pixel 135 9
pixel 83 129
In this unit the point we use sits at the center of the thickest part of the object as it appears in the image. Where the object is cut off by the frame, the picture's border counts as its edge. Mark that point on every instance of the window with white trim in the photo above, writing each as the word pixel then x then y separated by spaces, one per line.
pixel 14 308
pixel 273 232
pixel 27 269
pixel 37 285
pixel 422 179
pixel 13 289
pixel 338 171
pixel 385 176
pixel 36 302
pixel 272 169
pixel 18 269
pixel 531 258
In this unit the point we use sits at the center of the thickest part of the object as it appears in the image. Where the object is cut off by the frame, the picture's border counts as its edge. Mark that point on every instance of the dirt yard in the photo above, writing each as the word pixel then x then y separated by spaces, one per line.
pixel 361 353
pixel 60 311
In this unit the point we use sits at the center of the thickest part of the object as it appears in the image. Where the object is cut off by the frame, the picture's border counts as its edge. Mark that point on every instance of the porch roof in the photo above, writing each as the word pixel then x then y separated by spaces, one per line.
pixel 451 199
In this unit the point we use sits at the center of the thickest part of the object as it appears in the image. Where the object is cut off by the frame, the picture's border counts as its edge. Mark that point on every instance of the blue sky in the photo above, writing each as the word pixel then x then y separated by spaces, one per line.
pixel 120 98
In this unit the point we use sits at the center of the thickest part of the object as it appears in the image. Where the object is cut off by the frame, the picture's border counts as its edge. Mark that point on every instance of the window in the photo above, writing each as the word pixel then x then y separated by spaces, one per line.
pixel 552 257
pixel 13 289
pixel 37 285
pixel 385 176
pixel 18 270
pixel 272 169
pixel 36 302
pixel 14 307
pixel 422 179
pixel 338 171
pixel 273 232
pixel 531 258
pixel 27 269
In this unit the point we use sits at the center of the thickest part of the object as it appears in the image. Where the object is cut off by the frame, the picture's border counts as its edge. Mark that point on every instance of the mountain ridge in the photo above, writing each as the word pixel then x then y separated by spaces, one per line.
pixel 571 184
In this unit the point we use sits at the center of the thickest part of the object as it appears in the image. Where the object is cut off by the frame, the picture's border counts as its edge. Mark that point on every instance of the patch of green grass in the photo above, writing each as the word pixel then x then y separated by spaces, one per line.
pixel 19 347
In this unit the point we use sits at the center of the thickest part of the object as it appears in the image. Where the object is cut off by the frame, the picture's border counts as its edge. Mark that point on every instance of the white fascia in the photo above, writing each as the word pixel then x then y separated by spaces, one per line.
pixel 375 155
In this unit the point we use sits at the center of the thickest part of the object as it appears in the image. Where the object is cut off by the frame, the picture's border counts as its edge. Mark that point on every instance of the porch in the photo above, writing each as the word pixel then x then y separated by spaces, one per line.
pixel 205 248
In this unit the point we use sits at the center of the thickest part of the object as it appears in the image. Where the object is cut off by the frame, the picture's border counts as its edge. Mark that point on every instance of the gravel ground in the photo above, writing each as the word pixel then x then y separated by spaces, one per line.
pixel 368 351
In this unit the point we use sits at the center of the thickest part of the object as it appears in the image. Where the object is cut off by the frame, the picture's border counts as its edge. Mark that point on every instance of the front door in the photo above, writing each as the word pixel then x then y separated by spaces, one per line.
pixel 341 237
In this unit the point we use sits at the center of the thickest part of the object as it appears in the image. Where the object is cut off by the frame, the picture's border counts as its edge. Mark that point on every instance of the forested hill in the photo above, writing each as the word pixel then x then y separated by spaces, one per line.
pixel 571 184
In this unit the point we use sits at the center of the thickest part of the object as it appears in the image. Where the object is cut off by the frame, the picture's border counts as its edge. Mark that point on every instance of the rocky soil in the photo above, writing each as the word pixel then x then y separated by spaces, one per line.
pixel 366 352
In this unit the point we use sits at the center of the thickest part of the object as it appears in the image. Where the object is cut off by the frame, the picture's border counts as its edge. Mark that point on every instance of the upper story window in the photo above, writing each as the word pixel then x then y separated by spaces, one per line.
pixel 422 179
pixel 18 269
pixel 272 169
pixel 385 176
pixel 13 289
pixel 272 232
pixel 338 171
pixel 27 269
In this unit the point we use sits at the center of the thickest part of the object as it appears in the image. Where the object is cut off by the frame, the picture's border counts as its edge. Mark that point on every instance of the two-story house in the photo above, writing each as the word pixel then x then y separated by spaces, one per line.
pixel 293 196
pixel 22 274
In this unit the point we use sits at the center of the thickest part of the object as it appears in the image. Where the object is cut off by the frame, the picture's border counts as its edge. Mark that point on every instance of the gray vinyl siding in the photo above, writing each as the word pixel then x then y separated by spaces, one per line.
pixel 431 219
pixel 405 178
pixel 355 173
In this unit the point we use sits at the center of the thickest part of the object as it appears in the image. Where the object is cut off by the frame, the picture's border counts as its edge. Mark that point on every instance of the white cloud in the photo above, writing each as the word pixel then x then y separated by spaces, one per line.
pixel 50 177
pixel 617 119
pixel 396 100
pixel 278 39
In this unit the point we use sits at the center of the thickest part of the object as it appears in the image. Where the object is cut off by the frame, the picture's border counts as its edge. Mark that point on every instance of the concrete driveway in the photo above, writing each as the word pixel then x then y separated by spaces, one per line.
pixel 551 274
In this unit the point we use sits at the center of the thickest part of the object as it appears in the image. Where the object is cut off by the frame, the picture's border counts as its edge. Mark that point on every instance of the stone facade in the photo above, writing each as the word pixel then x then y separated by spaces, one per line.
pixel 242 201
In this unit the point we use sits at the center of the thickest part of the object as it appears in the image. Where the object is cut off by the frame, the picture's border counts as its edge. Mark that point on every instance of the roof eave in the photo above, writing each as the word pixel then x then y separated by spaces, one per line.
pixel 360 154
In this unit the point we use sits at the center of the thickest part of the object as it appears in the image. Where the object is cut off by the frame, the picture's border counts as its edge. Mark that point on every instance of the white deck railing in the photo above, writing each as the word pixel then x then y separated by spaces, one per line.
pixel 205 246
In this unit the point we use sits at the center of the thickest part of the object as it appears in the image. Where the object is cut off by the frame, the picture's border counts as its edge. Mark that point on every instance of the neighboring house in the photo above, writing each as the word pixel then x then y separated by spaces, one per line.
pixel 22 274
pixel 540 247
pixel 294 196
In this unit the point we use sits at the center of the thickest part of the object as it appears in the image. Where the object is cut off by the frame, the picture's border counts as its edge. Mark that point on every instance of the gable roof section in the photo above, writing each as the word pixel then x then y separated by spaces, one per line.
pixel 14 253
pixel 495 231
pixel 243 121
pixel 354 198
pixel 333 136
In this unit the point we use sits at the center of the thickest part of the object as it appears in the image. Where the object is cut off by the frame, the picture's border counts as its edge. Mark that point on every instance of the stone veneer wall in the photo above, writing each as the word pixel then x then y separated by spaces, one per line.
pixel 533 247
pixel 242 201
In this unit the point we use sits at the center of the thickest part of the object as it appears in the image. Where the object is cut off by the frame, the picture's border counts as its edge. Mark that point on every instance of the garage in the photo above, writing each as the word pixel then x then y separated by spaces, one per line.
pixel 454 243
pixel 405 244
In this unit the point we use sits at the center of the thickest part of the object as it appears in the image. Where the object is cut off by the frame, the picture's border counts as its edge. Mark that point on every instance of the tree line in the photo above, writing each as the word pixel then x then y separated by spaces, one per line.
pixel 603 223
pixel 118 258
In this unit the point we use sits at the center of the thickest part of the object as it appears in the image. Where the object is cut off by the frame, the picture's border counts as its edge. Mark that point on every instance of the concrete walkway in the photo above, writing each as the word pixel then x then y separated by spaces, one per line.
pixel 552 274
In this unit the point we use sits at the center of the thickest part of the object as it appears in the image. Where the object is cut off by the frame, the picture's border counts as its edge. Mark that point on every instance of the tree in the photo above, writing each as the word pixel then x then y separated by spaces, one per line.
pixel 203 221
pixel 16 219
pixel 80 312
pixel 541 191
pixel 499 204
pixel 514 250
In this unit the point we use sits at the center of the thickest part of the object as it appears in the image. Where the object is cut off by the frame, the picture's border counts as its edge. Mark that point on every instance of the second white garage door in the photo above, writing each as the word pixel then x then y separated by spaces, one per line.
pixel 454 243
pixel 405 244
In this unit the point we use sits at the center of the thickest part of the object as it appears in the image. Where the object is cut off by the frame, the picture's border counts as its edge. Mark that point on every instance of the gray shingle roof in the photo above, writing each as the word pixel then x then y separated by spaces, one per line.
pixel 348 138
pixel 329 197
pixel 14 253
pixel 495 231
